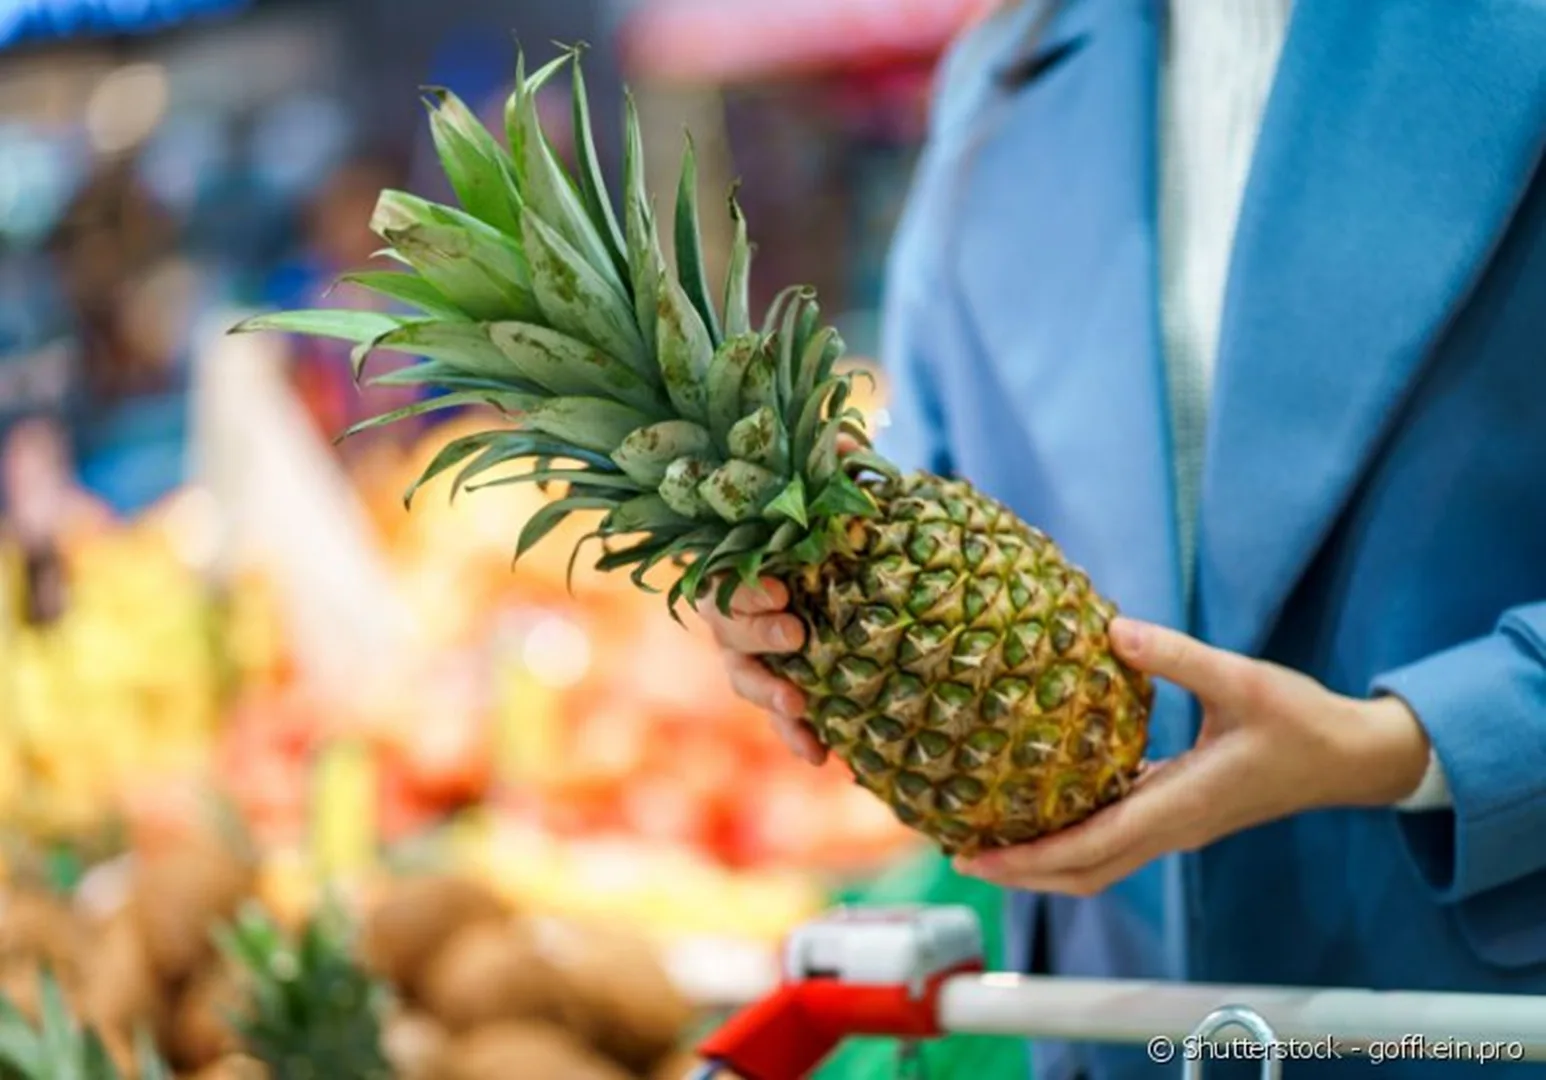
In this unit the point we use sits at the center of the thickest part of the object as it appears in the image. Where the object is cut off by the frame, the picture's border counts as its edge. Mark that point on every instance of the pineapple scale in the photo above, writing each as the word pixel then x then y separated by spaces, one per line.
pixel 959 664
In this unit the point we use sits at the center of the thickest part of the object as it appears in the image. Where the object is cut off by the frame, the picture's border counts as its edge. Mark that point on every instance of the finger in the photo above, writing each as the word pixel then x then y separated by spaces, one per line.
pixel 1148 812
pixel 757 635
pixel 784 702
pixel 770 595
pixel 752 681
pixel 800 739
pixel 1214 675
pixel 1086 882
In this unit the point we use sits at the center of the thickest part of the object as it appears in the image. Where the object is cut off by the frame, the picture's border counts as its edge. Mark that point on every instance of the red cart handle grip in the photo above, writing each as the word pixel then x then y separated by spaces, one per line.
pixel 791 1031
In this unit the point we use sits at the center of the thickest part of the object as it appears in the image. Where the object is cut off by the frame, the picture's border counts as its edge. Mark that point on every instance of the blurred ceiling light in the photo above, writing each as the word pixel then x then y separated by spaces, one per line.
pixel 126 107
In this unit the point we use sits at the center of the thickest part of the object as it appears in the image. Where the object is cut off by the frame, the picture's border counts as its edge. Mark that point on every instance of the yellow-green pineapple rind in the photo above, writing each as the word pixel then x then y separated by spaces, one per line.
pixel 959 665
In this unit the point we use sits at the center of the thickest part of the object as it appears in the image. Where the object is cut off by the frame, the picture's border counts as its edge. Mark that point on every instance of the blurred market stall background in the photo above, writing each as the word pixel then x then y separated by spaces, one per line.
pixel 239 623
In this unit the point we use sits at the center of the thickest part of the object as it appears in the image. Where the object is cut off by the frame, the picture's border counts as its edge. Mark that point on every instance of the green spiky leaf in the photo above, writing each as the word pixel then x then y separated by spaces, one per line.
pixel 588 423
pixel 483 271
pixel 443 376
pixel 738 490
pixel 809 366
pixel 823 401
pixel 738 276
pixel 643 514
pixel 684 350
pixel 358 327
pixel 760 438
pixel 526 87
pixel 551 195
pixel 790 503
pixel 638 552
pixel 679 488
pixel 497 453
pixel 551 517
pixel 449 456
pixel 690 270
pixel 759 387
pixel 575 478
pixel 645 259
pixel 775 313
pixel 564 365
pixel 435 404
pixel 477 167
pixel 464 346
pixel 699 541
pixel 406 288
pixel 592 183
pixel 738 541
pixel 842 497
pixel 647 452
pixel 787 356
pixel 578 300
pixel 727 373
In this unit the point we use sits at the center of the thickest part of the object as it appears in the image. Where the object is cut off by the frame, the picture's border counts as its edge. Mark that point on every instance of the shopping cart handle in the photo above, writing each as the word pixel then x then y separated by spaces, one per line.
pixel 868 971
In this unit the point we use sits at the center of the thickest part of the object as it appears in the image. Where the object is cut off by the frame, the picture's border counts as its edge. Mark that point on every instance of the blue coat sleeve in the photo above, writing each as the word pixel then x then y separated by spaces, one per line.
pixel 1483 704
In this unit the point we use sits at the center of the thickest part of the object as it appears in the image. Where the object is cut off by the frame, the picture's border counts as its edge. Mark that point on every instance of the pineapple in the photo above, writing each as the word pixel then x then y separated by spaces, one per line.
pixel 955 660
pixel 312 1012
pixel 60 1047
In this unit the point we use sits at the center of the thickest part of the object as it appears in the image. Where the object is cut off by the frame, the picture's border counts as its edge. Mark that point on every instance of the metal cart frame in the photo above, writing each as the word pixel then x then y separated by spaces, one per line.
pixel 886 976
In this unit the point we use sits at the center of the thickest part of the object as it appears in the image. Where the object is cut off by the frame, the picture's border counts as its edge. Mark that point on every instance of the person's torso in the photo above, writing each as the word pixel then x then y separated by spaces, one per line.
pixel 1374 483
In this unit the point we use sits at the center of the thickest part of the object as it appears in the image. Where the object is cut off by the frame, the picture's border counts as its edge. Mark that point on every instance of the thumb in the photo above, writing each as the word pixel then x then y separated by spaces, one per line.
pixel 1209 673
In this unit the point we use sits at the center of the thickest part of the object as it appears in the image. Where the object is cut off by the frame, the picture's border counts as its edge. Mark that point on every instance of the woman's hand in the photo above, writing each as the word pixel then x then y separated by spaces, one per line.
pixel 760 625
pixel 1273 743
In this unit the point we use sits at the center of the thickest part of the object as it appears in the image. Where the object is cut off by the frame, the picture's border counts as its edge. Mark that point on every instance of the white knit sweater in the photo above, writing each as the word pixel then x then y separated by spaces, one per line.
pixel 1220 60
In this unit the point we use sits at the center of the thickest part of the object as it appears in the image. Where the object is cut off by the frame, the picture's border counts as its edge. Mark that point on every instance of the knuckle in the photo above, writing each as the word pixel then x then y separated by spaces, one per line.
pixel 741 636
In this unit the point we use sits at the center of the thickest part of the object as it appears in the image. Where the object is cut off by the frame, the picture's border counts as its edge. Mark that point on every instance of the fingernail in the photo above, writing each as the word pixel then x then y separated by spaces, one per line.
pixel 785 636
pixel 791 704
pixel 1126 635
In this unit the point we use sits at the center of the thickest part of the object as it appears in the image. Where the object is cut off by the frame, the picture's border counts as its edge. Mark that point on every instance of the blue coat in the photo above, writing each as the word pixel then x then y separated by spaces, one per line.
pixel 1374 504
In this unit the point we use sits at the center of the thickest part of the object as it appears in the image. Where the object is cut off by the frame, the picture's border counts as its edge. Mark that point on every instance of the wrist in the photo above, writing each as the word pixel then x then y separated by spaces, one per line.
pixel 1390 752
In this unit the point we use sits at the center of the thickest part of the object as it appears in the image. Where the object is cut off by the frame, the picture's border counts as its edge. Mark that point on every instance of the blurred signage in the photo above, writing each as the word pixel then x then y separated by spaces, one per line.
pixel 26 20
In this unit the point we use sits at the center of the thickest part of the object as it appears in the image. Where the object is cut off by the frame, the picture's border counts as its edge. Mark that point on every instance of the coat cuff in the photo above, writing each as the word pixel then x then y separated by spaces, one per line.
pixel 1432 793
pixel 1483 705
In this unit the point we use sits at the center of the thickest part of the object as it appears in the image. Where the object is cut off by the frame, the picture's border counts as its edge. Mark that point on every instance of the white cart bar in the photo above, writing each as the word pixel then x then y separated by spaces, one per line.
pixel 916 973
pixel 1116 1012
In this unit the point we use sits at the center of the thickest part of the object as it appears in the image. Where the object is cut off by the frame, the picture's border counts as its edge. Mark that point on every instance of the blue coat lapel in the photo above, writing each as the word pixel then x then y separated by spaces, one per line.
pixel 1052 243
pixel 1396 144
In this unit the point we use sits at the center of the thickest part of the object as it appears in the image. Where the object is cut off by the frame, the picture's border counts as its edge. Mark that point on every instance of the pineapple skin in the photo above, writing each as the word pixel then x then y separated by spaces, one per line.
pixel 958 663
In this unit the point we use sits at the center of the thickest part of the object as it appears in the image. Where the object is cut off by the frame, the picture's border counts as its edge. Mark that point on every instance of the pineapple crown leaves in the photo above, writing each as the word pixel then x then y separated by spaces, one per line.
pixel 312 1010
pixel 704 439
pixel 60 1047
